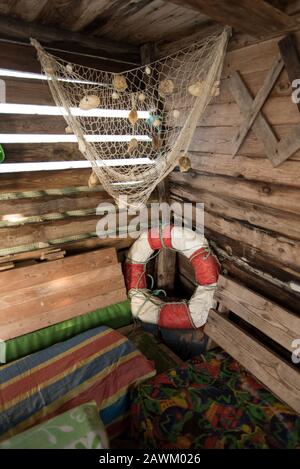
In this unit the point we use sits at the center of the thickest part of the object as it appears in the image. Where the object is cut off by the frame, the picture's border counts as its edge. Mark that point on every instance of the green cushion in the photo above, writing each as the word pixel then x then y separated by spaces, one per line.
pixel 114 316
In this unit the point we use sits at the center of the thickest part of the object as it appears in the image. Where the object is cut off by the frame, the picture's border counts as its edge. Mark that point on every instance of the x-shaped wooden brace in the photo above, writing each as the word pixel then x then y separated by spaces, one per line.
pixel 277 150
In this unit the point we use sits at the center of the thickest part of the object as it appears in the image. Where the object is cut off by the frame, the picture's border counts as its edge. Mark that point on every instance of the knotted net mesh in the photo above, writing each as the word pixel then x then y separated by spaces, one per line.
pixel 135 126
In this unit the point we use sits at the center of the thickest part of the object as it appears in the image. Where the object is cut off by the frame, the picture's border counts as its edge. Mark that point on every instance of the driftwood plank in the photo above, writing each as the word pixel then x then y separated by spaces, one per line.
pixel 26 325
pixel 252 16
pixel 274 373
pixel 33 275
pixel 257 104
pixel 277 151
pixel 43 294
pixel 260 126
pixel 274 321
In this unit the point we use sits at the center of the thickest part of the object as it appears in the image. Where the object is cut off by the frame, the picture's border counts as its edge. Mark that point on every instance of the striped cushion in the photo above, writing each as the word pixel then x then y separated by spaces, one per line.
pixel 99 364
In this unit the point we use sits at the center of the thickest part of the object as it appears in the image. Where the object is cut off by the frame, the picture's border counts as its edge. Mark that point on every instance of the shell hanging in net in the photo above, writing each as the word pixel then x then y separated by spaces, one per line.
pixel 176 113
pixel 68 130
pixel 133 116
pixel 119 83
pixel 132 146
pixel 197 89
pixel 93 180
pixel 90 101
pixel 156 122
pixel 115 95
pixel 184 164
pixel 166 87
pixel 148 70
pixel 141 97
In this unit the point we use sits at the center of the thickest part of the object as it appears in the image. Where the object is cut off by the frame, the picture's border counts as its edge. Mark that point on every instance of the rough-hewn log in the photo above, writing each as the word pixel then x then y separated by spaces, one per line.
pixel 252 16
pixel 18 29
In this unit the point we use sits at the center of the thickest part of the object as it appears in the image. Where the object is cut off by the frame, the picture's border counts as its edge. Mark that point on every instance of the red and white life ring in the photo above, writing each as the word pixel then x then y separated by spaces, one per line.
pixel 151 309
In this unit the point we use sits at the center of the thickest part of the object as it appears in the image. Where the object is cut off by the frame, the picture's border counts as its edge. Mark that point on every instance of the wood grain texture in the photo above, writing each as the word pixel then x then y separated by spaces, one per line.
pixel 28 324
pixel 279 377
pixel 255 17
pixel 277 323
pixel 257 104
pixel 280 197
pixel 18 29
pixel 44 294
pixel 270 219
pixel 42 180
pixel 247 168
pixel 27 207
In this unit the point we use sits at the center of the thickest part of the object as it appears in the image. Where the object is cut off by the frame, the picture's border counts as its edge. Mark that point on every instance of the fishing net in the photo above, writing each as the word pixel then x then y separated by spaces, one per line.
pixel 134 127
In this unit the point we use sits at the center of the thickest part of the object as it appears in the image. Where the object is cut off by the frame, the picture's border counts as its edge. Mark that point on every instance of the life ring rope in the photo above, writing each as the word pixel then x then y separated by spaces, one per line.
pixel 145 303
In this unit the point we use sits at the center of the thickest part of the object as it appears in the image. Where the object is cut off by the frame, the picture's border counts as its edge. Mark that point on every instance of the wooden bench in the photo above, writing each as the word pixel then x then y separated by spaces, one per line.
pixel 261 356
pixel 47 293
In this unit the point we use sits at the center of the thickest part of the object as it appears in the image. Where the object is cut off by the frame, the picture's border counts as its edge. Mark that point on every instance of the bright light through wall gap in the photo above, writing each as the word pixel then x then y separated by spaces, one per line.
pixel 39 76
pixel 58 138
pixel 29 109
pixel 59 165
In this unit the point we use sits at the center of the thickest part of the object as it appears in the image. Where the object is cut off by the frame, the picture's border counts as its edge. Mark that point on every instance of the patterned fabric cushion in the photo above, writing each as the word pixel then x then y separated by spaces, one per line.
pixel 211 404
pixel 79 428
pixel 99 364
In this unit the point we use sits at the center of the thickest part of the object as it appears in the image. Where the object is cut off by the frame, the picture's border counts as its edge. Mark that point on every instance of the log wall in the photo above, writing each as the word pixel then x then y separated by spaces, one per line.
pixel 62 205
pixel 252 210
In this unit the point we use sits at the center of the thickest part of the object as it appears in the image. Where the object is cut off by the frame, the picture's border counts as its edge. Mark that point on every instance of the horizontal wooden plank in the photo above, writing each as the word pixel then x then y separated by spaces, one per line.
pixel 247 168
pixel 254 244
pixel 286 251
pixel 26 325
pixel 277 221
pixel 254 17
pixel 219 140
pixel 278 111
pixel 277 323
pixel 55 231
pixel 84 244
pixel 254 81
pixel 42 180
pixel 39 152
pixel 51 204
pixel 31 124
pixel 274 373
pixel 35 124
pixel 29 297
pixel 51 271
pixel 64 291
pixel 46 231
pixel 26 91
pixel 23 58
pixel 280 197
pixel 261 282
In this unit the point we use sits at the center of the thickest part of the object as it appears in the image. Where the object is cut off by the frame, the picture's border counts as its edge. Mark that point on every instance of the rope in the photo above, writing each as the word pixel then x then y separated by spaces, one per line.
pixel 173 94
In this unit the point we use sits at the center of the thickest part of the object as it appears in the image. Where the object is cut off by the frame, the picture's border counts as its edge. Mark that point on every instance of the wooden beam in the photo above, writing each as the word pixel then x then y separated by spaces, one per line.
pixel 282 379
pixel 59 38
pixel 166 260
pixel 268 317
pixel 255 17
pixel 257 104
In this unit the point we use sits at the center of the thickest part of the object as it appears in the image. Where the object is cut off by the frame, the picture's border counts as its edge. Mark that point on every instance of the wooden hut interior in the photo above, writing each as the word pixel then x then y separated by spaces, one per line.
pixel 120 331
